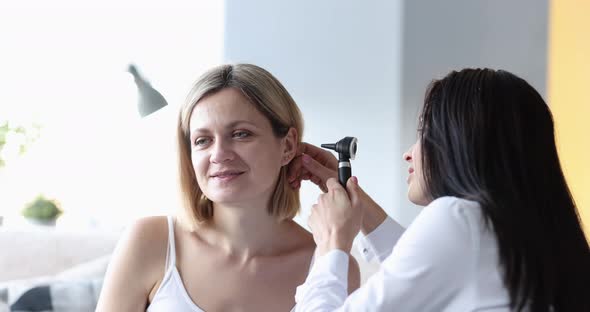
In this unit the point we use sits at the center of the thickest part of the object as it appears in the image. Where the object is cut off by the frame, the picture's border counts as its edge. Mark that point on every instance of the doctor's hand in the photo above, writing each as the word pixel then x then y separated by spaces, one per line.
pixel 318 165
pixel 335 219
pixel 312 163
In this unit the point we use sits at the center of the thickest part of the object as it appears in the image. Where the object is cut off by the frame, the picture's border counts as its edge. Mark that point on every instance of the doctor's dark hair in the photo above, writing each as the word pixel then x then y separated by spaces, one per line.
pixel 488 136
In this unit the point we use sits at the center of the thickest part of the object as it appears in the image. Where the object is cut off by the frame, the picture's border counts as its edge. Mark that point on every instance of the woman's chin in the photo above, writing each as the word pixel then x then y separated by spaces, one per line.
pixel 417 199
pixel 224 199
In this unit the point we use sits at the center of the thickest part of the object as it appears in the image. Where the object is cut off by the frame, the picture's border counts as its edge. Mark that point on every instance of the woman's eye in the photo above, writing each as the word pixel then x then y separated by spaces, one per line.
pixel 241 134
pixel 201 141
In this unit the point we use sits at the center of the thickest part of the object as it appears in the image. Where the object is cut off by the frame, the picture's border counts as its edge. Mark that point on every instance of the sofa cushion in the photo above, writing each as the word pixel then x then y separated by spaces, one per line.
pixel 63 296
pixel 75 289
pixel 28 254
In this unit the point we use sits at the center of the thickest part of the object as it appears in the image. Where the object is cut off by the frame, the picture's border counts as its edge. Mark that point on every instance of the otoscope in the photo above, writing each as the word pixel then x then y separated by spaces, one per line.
pixel 346 149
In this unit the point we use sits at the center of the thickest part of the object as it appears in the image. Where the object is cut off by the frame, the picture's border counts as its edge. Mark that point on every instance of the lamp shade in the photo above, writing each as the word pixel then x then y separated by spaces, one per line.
pixel 149 99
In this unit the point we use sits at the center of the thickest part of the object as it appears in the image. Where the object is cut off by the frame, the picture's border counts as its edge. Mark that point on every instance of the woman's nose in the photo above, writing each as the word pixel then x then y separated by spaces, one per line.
pixel 221 152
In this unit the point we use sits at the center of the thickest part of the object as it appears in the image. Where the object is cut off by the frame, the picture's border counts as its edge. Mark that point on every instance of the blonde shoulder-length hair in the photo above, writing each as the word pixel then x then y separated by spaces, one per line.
pixel 269 97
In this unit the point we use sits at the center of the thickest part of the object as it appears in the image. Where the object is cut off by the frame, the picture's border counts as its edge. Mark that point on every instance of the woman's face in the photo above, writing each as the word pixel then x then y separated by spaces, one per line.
pixel 416 189
pixel 235 154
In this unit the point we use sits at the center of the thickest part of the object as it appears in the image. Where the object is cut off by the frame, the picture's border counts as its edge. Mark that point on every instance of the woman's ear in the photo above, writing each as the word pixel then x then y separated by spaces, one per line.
pixel 290 143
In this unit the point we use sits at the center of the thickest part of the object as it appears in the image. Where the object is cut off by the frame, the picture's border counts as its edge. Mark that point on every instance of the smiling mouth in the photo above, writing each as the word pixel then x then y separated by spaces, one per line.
pixel 226 176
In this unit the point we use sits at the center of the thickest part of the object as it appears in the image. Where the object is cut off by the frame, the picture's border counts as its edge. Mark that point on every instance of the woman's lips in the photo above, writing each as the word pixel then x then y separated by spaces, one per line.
pixel 226 176
pixel 411 172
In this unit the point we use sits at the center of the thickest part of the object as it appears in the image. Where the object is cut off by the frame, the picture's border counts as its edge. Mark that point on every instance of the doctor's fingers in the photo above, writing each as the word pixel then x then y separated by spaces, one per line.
pixel 294 169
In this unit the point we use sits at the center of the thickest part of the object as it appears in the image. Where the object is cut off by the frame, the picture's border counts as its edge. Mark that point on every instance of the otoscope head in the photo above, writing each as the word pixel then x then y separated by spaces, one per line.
pixel 346 148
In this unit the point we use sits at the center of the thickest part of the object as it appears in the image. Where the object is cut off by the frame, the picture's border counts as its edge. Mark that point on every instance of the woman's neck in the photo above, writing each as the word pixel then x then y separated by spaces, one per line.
pixel 245 230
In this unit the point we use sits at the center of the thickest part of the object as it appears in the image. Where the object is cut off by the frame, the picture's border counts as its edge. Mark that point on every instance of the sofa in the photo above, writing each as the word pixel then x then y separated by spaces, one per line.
pixel 46 269
pixel 55 270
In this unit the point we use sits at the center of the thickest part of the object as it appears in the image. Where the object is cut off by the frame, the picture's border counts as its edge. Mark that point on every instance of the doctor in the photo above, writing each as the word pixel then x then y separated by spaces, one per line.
pixel 499 230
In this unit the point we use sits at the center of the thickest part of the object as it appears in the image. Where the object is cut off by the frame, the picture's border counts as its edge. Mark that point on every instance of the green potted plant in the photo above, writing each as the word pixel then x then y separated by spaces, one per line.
pixel 14 141
pixel 42 211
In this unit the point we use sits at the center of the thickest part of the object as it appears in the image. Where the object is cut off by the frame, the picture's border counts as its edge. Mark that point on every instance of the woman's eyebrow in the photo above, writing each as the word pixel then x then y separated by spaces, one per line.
pixel 238 122
pixel 199 130
pixel 229 125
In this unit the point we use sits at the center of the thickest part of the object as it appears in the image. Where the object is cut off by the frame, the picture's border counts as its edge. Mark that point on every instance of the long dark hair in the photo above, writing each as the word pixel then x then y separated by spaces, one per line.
pixel 488 136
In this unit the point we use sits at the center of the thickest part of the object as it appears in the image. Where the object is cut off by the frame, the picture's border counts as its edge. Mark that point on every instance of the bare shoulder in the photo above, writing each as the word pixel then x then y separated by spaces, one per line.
pixel 147 236
pixel 136 265
pixel 302 232
pixel 144 242
pixel 303 238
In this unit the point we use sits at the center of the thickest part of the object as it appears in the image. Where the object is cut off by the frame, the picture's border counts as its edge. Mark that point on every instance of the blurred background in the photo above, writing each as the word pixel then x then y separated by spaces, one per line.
pixel 73 143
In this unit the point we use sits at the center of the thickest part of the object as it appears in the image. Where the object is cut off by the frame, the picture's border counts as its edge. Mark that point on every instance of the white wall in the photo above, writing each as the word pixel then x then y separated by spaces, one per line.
pixel 440 36
pixel 63 65
pixel 355 68
pixel 340 62
pixel 360 68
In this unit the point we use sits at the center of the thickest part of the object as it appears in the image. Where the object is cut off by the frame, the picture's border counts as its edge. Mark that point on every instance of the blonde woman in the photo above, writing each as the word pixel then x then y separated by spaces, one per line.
pixel 235 247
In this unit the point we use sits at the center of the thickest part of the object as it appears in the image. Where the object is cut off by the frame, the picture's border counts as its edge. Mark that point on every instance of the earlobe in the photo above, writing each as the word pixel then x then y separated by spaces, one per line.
pixel 286 160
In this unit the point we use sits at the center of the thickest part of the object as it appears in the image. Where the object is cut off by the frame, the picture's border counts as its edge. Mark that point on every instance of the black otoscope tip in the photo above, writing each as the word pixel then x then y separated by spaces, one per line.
pixel 346 149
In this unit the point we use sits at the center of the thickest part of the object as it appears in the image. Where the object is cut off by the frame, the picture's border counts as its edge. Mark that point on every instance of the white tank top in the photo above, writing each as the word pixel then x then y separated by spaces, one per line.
pixel 171 295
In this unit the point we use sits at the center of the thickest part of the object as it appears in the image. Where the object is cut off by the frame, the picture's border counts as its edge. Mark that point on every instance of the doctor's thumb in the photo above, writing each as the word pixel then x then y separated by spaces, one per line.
pixel 354 191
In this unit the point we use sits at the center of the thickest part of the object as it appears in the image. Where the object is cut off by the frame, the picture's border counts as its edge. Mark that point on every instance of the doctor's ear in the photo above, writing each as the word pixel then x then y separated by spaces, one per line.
pixel 290 144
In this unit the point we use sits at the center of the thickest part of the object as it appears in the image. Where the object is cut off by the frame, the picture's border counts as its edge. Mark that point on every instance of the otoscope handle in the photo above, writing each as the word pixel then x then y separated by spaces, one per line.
pixel 344 172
